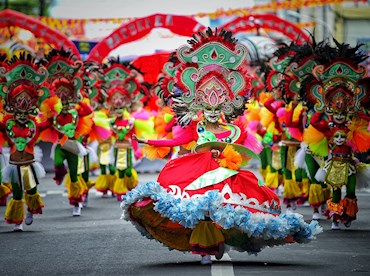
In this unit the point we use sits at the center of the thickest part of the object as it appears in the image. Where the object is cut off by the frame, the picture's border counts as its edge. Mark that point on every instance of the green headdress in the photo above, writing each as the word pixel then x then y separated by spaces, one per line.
pixel 121 85
pixel 92 73
pixel 337 87
pixel 166 81
pixel 64 75
pixel 278 64
pixel 22 85
pixel 210 74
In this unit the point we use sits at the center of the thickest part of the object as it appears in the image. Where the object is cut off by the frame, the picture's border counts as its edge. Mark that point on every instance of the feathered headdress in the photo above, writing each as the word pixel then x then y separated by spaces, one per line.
pixel 259 70
pixel 64 75
pixel 92 73
pixel 336 88
pixel 280 75
pixel 306 57
pixel 121 85
pixel 3 66
pixel 22 85
pixel 210 74
pixel 165 87
pixel 278 64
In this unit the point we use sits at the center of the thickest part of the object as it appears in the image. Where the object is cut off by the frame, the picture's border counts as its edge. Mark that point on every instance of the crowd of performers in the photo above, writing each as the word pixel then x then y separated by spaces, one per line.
pixel 303 112
pixel 56 100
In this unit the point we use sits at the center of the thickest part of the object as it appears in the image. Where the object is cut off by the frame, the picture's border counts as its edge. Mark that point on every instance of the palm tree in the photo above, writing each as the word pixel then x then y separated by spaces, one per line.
pixel 30 7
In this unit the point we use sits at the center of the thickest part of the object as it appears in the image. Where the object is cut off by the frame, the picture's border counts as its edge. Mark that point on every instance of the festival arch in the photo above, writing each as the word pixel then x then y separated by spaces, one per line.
pixel 13 18
pixel 134 30
pixel 267 22
pixel 150 65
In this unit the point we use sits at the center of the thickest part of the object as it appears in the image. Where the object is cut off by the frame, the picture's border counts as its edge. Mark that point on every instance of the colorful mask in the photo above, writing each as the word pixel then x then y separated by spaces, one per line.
pixel 212 114
pixel 20 143
pixel 69 130
pixel 339 138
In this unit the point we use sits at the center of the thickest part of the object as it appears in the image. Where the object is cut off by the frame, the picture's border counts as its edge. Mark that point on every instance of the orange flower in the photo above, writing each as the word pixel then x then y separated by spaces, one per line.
pixel 152 152
pixel 230 158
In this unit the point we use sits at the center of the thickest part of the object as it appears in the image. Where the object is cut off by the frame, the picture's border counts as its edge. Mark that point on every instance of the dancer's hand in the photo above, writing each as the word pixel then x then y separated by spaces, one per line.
pixel 215 153
pixel 140 140
pixel 138 154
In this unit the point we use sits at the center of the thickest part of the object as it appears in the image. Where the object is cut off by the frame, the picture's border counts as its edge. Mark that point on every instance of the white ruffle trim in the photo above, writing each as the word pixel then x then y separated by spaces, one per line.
pixel 10 174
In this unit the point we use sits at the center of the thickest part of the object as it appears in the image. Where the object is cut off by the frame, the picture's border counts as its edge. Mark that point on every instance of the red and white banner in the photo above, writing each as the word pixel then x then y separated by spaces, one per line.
pixel 134 30
pixel 17 19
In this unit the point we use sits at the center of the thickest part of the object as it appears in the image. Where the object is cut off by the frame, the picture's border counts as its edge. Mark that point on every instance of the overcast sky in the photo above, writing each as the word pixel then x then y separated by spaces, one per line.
pixel 140 8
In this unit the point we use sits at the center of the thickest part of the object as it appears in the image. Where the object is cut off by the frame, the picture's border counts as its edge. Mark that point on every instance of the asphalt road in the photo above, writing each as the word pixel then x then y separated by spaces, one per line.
pixel 99 243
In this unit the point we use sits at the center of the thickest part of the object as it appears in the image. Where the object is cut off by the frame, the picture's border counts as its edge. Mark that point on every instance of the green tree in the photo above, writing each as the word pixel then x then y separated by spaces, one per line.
pixel 30 7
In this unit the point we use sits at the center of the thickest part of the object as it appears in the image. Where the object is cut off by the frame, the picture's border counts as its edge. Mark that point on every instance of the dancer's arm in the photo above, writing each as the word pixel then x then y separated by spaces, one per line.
pixel 44 125
pixel 187 137
pixel 84 109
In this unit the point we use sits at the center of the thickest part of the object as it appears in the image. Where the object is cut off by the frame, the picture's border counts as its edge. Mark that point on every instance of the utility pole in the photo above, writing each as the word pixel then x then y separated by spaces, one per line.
pixel 324 19
pixel 42 7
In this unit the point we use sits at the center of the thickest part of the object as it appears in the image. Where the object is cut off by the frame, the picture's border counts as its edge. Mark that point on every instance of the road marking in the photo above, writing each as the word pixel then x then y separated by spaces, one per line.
pixel 54 192
pixel 224 268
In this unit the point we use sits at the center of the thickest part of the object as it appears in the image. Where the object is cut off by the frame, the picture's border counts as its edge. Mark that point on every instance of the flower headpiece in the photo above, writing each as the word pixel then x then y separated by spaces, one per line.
pixel 22 85
pixel 210 74
pixel 64 75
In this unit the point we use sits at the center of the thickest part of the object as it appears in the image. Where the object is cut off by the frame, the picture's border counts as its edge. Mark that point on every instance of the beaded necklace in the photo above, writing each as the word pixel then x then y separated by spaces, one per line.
pixel 59 127
pixel 30 125
pixel 124 129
